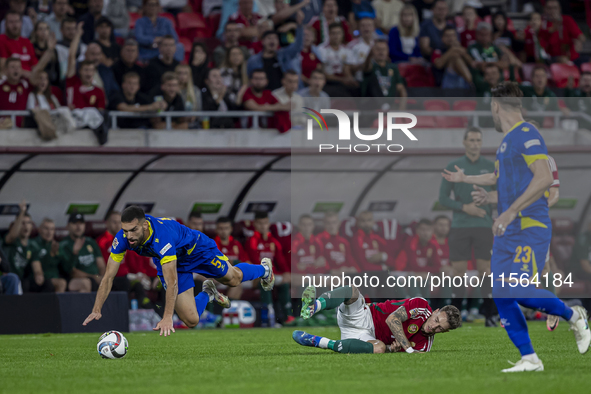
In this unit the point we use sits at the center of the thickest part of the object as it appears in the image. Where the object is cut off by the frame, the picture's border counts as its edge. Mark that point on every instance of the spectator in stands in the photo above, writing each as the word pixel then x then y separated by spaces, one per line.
pixel 42 96
pixel 163 63
pixel 189 92
pixel 233 72
pixel 337 250
pixel 151 30
pixel 12 44
pixel 316 84
pixel 195 221
pixel 259 98
pixel 424 9
pixel 505 40
pixel 103 75
pixel 118 14
pixel 47 264
pixel 307 251
pixel 18 7
pixel 578 99
pixel 387 14
pixel 81 91
pixel 82 257
pixel 309 55
pixel 370 250
pixel 231 36
pixel 492 77
pixel 404 38
pixel 287 94
pixel 247 19
pixel 340 79
pixel 10 284
pixel 564 38
pixel 104 32
pixel 285 20
pixel 199 62
pixel 441 228
pixel 68 31
pixel 330 15
pixel 360 47
pixel 40 40
pixel 538 97
pixel 128 62
pixel 483 51
pixel 80 8
pixel 313 8
pixel 231 248
pixel 535 40
pixel 130 99
pixel 470 235
pixel 169 92
pixel 275 61
pixel 57 16
pixel 468 31
pixel 215 97
pixel 452 64
pixel 381 78
pixel 430 36
pixel 95 10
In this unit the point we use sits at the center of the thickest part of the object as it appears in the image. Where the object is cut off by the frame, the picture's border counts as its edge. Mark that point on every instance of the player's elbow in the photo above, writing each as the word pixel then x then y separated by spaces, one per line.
pixel 379 348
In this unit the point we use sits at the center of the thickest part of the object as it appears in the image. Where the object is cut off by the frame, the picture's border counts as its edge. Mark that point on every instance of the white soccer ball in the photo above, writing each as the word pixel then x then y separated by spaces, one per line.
pixel 112 344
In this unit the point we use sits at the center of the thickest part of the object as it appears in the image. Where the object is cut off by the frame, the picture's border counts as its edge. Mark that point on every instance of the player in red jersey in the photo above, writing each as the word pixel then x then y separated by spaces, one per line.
pixel 80 89
pixel 13 45
pixel 387 327
pixel 370 249
pixel 337 250
pixel 307 252
pixel 232 249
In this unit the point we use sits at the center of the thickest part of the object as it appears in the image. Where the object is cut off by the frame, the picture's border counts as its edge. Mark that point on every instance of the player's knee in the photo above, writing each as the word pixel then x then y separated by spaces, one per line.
pixel 192 322
pixel 379 348
pixel 235 277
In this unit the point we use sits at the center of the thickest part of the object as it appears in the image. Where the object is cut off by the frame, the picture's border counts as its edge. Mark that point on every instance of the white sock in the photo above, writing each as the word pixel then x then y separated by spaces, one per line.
pixel 266 272
pixel 576 316
pixel 532 358
pixel 323 344
pixel 318 306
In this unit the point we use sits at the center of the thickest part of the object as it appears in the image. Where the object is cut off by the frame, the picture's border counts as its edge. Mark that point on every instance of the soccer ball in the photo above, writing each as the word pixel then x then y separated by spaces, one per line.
pixel 112 344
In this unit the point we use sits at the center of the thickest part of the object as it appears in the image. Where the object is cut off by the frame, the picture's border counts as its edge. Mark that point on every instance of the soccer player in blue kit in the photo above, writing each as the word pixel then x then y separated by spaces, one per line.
pixel 178 252
pixel 523 229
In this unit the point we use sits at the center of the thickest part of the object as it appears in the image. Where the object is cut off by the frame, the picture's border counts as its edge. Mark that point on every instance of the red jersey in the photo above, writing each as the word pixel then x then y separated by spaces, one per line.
pixel 337 251
pixel 561 40
pixel 84 96
pixel 132 262
pixel 21 48
pixel 233 250
pixel 365 245
pixel 310 62
pixel 535 43
pixel 242 20
pixel 14 97
pixel 442 252
pixel 304 254
pixel 554 169
pixel 416 257
pixel 320 24
pixel 467 37
pixel 265 98
pixel 258 248
pixel 105 241
pixel 417 313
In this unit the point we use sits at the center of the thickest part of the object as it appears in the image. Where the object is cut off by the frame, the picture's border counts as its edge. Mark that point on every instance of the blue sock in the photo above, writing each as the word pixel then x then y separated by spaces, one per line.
pixel 543 300
pixel 201 300
pixel 251 271
pixel 317 341
pixel 515 324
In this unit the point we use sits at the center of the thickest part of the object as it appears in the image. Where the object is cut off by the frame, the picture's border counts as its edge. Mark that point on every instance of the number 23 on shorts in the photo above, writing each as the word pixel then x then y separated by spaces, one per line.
pixel 523 254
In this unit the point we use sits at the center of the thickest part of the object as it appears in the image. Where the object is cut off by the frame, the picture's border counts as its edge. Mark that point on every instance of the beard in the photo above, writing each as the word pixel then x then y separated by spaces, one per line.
pixel 257 90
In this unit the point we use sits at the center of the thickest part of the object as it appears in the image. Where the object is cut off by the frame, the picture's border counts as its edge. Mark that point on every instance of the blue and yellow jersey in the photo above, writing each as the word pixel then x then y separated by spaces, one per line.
pixel 521 147
pixel 168 240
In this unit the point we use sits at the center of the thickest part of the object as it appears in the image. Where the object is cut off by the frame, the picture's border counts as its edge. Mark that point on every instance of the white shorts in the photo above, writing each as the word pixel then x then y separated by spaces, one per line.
pixel 355 321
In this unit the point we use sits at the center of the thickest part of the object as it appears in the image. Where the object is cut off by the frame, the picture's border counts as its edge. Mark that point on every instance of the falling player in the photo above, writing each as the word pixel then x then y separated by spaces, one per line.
pixel 523 229
pixel 387 327
pixel 178 252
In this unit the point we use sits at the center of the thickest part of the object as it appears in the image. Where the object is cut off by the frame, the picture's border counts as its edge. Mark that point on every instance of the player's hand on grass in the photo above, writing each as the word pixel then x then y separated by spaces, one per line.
pixel 455 177
pixel 165 326
pixel 472 210
pixel 91 317
pixel 500 225
pixel 480 196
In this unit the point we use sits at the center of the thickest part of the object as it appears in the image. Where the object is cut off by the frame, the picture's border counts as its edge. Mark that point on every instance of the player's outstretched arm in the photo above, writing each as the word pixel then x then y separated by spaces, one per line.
pixel 482 197
pixel 458 177
pixel 394 322
pixel 103 290
pixel 172 290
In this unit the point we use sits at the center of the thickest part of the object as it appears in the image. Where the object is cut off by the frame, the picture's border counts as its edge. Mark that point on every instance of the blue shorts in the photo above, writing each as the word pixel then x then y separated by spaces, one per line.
pixel 215 265
pixel 522 254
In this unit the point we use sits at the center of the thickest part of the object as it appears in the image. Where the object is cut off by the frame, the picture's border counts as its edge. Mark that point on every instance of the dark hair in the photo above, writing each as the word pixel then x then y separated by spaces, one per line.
pixel 453 316
pixel 290 72
pixel 192 54
pixel 10 12
pixel 502 14
pixel 195 214
pixel 446 28
pixel 12 60
pixel 585 73
pixel 168 76
pixel 67 19
pixel 103 20
pixel 130 74
pixel 268 33
pixel 490 65
pixel 111 213
pixel 335 25
pixel 209 72
pixel 167 37
pixel 306 216
pixel 425 222
pixel 471 130
pixel 317 71
pixel 508 94
pixel 224 219
pixel 539 67
pixel 438 218
pixel 261 215
pixel 84 63
pixel 131 213
pixel 257 70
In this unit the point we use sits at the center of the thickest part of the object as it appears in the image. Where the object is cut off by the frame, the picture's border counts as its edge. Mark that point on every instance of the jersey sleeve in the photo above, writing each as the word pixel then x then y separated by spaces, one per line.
pixel 417 307
pixel 118 247
pixel 531 145
pixel 554 169
pixel 168 252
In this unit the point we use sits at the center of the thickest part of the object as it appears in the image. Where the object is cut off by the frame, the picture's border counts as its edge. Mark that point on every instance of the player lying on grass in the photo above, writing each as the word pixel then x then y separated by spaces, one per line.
pixel 178 252
pixel 391 326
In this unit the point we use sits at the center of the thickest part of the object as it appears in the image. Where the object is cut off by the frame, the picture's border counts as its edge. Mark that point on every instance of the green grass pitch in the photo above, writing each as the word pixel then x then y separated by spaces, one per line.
pixel 269 361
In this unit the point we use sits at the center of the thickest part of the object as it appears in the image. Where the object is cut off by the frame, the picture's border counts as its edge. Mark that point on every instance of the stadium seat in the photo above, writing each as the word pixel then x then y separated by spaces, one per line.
pixel 586 67
pixel 436 105
pixel 133 17
pixel 188 45
pixel 561 72
pixel 460 121
pixel 192 26
pixel 416 76
pixel 213 21
pixel 197 6
pixel 434 121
